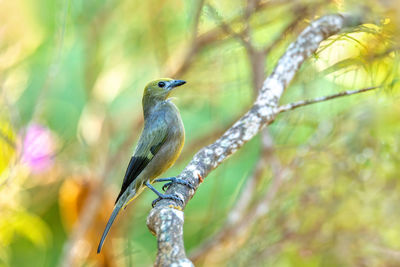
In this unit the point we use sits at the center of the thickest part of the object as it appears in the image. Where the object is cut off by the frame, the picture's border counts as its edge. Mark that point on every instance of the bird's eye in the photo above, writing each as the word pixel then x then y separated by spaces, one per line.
pixel 161 84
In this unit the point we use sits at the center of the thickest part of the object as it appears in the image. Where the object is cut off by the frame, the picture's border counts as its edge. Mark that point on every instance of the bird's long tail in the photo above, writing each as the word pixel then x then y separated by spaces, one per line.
pixel 122 202
pixel 114 214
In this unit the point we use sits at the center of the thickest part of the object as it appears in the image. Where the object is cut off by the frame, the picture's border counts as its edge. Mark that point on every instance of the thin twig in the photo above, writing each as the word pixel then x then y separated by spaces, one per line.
pixel 55 63
pixel 302 13
pixel 194 46
pixel 196 23
pixel 240 36
pixel 303 103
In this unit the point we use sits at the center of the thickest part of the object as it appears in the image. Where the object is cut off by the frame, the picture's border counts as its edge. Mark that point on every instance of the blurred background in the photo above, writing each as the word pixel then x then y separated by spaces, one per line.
pixel 319 187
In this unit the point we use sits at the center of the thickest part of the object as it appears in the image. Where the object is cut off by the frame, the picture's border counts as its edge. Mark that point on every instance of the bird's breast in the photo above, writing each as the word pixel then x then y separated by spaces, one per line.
pixel 171 149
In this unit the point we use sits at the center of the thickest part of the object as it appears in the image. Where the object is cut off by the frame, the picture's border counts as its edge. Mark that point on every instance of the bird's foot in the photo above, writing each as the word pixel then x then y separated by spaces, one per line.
pixel 172 197
pixel 161 196
pixel 173 180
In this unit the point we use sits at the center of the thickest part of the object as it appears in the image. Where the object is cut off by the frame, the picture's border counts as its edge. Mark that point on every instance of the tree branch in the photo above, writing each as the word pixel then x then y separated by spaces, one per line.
pixel 210 37
pixel 166 218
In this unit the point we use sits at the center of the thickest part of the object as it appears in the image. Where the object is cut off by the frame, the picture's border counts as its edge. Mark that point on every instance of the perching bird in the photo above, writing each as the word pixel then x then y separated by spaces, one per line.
pixel 159 146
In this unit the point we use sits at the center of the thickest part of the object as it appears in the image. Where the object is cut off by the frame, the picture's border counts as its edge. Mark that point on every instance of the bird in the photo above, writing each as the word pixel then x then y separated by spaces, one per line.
pixel 159 146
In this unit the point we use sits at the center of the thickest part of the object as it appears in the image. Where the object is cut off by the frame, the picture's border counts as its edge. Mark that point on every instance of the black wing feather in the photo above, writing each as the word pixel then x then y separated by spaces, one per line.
pixel 135 167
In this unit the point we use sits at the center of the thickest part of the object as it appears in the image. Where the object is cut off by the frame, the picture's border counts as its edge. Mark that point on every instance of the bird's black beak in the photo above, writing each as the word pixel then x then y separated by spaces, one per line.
pixel 176 83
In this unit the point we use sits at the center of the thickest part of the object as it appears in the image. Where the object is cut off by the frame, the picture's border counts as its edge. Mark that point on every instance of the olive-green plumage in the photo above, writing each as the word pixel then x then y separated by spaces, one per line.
pixel 159 144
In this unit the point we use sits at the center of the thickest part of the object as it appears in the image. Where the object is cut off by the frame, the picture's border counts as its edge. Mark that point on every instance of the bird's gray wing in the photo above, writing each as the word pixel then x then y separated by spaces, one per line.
pixel 152 139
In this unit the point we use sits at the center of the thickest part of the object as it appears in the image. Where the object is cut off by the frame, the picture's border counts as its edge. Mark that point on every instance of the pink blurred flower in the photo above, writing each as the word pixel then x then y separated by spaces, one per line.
pixel 38 148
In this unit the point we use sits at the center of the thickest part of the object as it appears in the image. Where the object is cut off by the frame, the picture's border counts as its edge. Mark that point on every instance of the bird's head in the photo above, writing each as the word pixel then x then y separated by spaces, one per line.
pixel 160 89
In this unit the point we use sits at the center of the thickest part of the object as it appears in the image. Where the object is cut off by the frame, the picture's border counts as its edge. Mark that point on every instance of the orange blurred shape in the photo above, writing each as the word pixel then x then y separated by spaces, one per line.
pixel 72 197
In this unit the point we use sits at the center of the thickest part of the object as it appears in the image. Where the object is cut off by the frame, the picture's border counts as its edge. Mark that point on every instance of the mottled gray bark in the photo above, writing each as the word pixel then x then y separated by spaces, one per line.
pixel 166 218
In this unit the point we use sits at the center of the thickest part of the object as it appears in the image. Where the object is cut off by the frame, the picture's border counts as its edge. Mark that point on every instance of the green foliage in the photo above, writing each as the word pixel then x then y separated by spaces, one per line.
pixel 78 68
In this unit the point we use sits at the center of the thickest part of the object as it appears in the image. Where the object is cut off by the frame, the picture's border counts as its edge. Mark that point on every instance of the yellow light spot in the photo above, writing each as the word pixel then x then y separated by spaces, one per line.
pixel 7 144
pixel 175 207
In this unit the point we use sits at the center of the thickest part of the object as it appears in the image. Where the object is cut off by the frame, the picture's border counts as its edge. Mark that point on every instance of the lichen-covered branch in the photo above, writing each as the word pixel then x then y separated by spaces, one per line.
pixel 166 218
